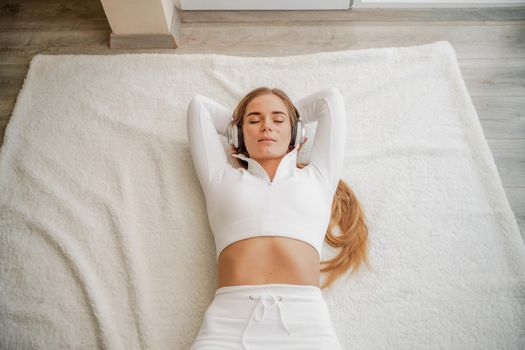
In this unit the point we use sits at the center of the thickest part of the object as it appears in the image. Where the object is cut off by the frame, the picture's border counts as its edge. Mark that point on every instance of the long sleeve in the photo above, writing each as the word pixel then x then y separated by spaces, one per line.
pixel 327 107
pixel 206 120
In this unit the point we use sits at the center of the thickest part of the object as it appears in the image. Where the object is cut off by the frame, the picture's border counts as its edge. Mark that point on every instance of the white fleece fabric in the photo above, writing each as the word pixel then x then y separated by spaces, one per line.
pixel 104 238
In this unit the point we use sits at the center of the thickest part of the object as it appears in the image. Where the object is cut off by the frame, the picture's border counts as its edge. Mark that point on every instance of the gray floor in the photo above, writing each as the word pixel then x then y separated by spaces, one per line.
pixel 490 44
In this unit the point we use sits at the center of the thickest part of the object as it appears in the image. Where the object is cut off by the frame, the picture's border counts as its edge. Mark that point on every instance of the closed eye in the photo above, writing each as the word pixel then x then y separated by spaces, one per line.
pixel 277 121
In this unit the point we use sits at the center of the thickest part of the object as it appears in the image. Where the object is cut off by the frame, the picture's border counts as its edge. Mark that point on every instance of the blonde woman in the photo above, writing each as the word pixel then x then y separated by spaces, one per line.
pixel 270 216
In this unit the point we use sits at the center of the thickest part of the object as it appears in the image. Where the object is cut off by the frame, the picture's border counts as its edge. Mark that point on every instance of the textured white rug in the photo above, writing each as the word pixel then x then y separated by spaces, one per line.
pixel 104 238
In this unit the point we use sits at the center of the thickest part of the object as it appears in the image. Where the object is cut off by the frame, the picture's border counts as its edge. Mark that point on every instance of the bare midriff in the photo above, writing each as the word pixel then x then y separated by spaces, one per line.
pixel 268 260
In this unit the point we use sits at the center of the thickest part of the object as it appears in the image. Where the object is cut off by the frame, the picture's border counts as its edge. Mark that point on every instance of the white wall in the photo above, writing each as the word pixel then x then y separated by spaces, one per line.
pixel 156 16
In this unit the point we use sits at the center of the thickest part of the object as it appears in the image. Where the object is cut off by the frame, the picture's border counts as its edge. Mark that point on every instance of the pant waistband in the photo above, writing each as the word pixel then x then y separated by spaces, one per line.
pixel 272 288
pixel 268 296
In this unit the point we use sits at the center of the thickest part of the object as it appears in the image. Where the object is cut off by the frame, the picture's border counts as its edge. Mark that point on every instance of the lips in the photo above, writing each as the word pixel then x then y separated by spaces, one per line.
pixel 266 139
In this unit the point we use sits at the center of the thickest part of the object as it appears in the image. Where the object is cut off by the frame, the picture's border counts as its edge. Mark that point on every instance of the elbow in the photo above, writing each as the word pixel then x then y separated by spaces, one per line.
pixel 333 97
pixel 196 99
pixel 336 97
pixel 193 106
pixel 333 91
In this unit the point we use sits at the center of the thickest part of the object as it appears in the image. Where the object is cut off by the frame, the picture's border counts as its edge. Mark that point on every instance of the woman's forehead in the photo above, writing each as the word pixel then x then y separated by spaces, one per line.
pixel 270 101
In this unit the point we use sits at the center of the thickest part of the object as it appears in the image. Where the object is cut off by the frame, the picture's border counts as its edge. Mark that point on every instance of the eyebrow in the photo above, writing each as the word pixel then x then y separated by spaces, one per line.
pixel 259 113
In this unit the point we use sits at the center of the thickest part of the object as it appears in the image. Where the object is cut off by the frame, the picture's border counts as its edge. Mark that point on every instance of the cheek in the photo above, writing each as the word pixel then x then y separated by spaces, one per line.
pixel 287 131
pixel 247 130
pixel 249 133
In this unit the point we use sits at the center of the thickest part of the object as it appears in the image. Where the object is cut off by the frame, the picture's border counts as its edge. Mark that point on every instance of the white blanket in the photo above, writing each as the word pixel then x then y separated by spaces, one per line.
pixel 104 238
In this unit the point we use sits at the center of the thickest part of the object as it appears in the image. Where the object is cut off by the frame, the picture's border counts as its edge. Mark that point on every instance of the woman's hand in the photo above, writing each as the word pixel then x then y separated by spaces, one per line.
pixel 301 146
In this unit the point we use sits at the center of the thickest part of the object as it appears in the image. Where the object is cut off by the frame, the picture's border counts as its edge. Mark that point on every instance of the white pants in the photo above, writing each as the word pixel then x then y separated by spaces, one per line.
pixel 267 316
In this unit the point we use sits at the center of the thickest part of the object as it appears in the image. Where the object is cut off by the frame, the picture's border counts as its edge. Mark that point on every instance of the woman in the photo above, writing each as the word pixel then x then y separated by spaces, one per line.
pixel 270 216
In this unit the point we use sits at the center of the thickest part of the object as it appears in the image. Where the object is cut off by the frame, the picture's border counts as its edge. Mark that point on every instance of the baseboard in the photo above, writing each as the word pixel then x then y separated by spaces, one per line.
pixel 265 5
pixel 436 3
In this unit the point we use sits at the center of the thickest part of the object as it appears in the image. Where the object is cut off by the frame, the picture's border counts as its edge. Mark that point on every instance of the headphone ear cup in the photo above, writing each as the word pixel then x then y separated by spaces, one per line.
pixel 231 133
pixel 301 132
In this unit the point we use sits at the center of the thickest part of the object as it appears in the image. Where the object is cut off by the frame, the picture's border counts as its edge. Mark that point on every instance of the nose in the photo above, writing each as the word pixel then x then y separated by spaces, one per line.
pixel 266 124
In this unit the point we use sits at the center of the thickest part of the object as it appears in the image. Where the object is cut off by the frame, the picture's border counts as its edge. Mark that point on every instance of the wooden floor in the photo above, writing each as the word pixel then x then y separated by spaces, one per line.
pixel 490 44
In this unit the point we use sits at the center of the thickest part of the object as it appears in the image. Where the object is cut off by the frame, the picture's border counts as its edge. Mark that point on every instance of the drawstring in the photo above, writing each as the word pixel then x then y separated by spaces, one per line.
pixel 276 301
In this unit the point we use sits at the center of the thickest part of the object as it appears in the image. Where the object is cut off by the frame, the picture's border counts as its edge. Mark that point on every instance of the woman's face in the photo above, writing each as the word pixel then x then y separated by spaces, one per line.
pixel 266 116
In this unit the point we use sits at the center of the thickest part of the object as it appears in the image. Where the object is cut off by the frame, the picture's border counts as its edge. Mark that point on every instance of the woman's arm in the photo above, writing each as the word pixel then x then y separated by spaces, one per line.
pixel 327 107
pixel 206 119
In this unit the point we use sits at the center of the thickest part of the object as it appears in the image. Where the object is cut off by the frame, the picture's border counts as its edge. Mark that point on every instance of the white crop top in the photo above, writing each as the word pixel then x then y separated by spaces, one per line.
pixel 245 203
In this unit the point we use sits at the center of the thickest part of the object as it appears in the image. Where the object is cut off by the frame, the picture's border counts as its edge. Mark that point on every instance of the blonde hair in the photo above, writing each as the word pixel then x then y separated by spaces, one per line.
pixel 347 214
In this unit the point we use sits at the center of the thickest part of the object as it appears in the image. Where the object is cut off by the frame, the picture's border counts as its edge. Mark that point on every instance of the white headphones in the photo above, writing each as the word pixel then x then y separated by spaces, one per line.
pixel 235 137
